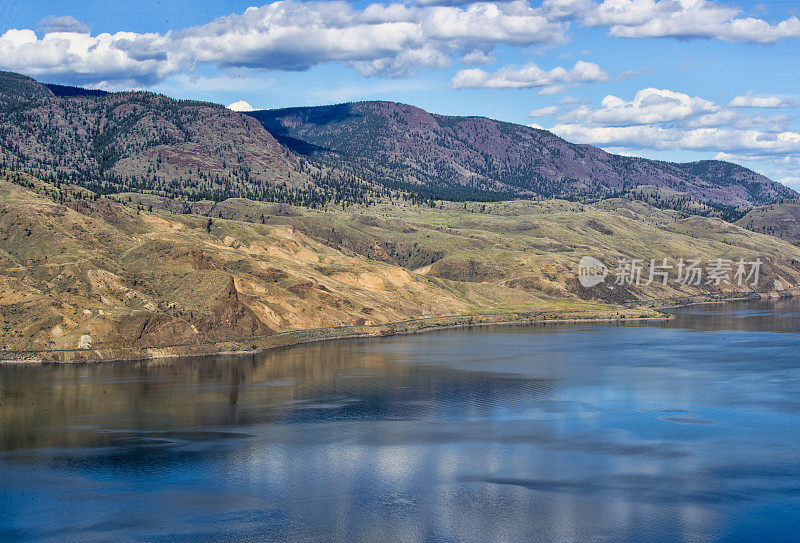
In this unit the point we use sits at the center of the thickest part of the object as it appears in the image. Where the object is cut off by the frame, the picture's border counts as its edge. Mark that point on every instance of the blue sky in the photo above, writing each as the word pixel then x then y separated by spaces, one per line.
pixel 671 79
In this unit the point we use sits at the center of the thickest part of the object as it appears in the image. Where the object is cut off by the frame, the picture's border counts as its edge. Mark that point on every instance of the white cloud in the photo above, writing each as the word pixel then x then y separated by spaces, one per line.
pixel 627 74
pixel 653 106
pixel 750 100
pixel 478 58
pixel 404 63
pixel 529 76
pixel 683 19
pixel 648 106
pixel 571 101
pixel 743 142
pixel 665 120
pixel 389 40
pixel 564 10
pixel 64 23
pixel 551 90
pixel 543 111
pixel 296 36
pixel 378 40
pixel 241 105
pixel 514 23
pixel 79 57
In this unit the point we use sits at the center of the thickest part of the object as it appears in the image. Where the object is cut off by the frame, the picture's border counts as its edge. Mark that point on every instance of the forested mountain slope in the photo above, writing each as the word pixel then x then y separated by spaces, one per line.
pixel 405 146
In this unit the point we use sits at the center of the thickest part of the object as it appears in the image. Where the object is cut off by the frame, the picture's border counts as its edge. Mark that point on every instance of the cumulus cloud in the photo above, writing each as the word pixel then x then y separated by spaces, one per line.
pixel 551 90
pixel 566 10
pixel 571 101
pixel 79 57
pixel 530 76
pixel 240 105
pixel 750 100
pixel 745 142
pixel 296 36
pixel 478 58
pixel 404 63
pixel 683 19
pixel 661 119
pixel 391 40
pixel 543 111
pixel 64 23
pixel 387 40
pixel 648 106
pixel 514 23
pixel 652 106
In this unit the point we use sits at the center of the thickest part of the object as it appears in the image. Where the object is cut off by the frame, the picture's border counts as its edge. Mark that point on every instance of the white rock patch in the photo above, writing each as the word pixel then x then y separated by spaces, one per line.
pixel 85 342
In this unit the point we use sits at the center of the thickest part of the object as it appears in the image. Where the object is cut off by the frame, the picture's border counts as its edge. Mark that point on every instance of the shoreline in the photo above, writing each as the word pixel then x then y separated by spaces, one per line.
pixel 475 325
pixel 774 295
pixel 382 330
pixel 407 327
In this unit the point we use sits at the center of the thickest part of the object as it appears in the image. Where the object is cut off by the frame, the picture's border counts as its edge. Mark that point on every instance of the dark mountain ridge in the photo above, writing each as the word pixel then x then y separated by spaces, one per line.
pixel 145 142
pixel 66 90
pixel 406 146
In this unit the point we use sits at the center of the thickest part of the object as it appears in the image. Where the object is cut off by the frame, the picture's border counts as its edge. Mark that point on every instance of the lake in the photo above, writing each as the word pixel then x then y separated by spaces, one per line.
pixel 686 430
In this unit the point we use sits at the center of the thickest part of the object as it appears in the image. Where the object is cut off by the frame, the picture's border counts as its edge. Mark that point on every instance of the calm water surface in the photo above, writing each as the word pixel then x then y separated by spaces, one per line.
pixel 680 431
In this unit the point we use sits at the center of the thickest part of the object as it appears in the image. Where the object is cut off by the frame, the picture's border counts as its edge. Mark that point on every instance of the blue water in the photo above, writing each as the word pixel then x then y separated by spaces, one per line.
pixel 686 430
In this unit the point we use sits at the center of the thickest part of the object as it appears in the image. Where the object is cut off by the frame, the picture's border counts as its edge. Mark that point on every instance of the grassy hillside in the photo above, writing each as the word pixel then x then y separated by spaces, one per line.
pixel 780 220
pixel 99 278
pixel 526 246
pixel 75 265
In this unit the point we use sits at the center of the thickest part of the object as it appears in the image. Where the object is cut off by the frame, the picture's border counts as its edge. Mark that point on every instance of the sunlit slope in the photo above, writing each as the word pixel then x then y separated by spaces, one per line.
pixel 78 270
pixel 75 265
pixel 780 220
pixel 532 247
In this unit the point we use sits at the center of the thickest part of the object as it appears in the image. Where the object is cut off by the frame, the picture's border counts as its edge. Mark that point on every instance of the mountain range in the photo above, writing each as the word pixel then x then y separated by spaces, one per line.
pixel 87 277
pixel 345 153
pixel 407 147
pixel 136 225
